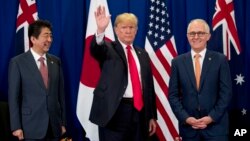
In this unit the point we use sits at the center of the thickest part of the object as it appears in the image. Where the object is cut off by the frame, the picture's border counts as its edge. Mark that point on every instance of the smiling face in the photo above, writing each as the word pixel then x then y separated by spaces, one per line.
pixel 42 43
pixel 198 34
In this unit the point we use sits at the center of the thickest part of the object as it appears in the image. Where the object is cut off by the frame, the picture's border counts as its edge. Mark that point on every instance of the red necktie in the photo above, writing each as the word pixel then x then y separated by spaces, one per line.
pixel 44 71
pixel 136 85
pixel 197 69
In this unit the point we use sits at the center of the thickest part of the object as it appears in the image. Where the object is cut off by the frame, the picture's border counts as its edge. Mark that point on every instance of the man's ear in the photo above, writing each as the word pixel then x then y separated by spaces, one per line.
pixel 208 36
pixel 32 39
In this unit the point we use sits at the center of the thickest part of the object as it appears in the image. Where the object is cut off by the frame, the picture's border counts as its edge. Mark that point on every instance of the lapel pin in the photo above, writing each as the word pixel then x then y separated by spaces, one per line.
pixel 209 58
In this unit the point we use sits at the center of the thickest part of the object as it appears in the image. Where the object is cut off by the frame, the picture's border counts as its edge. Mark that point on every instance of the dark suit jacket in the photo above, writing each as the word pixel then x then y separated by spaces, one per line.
pixel 31 105
pixel 114 79
pixel 211 99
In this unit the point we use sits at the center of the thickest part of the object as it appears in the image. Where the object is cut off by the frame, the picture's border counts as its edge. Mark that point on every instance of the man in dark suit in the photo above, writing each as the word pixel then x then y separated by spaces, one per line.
pixel 36 89
pixel 115 109
pixel 200 88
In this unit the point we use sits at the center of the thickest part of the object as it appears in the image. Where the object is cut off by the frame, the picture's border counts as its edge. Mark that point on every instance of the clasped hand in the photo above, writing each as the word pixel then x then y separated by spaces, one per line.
pixel 201 123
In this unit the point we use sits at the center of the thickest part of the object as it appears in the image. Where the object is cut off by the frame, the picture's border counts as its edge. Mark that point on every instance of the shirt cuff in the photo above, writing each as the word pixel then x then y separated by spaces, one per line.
pixel 99 38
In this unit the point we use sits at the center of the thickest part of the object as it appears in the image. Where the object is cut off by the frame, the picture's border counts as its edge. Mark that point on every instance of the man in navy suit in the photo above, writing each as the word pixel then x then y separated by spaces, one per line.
pixel 37 105
pixel 200 103
pixel 114 107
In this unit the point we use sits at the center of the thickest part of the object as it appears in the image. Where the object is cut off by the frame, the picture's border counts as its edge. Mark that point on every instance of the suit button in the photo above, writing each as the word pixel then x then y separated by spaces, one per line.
pixel 199 108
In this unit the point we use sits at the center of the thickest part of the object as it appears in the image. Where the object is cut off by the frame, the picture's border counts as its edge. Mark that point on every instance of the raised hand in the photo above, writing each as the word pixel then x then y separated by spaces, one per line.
pixel 102 20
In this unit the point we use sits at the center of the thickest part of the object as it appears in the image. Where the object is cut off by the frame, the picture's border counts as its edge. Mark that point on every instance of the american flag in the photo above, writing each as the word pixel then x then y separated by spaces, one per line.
pixel 160 44
pixel 224 16
pixel 27 14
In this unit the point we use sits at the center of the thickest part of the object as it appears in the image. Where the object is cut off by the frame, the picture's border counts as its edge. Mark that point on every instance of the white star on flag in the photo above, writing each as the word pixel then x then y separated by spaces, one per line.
pixel 239 79
pixel 244 111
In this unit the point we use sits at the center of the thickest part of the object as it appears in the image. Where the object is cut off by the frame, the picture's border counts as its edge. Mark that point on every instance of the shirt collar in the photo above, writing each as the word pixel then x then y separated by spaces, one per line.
pixel 36 55
pixel 202 53
pixel 124 45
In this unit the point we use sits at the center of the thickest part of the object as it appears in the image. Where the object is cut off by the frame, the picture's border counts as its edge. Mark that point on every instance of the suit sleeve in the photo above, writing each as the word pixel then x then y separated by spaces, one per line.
pixel 175 94
pixel 98 51
pixel 152 99
pixel 225 91
pixel 14 94
pixel 62 96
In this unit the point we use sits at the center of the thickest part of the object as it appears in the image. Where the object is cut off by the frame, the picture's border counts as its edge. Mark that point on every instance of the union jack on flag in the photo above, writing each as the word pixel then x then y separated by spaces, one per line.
pixel 27 14
pixel 224 16
pixel 160 44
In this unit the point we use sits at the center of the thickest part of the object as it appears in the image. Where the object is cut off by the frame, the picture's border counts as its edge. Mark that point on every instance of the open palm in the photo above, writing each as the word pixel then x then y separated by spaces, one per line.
pixel 102 20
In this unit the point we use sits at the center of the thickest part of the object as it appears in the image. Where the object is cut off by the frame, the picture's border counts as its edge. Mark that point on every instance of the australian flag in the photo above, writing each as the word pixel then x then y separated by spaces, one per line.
pixel 27 14
pixel 231 36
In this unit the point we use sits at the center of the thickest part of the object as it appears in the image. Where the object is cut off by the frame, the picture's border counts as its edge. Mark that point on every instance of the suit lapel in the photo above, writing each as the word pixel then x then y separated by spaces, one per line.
pixel 32 66
pixel 120 51
pixel 140 57
pixel 206 65
pixel 50 64
pixel 142 72
pixel 141 60
pixel 189 68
